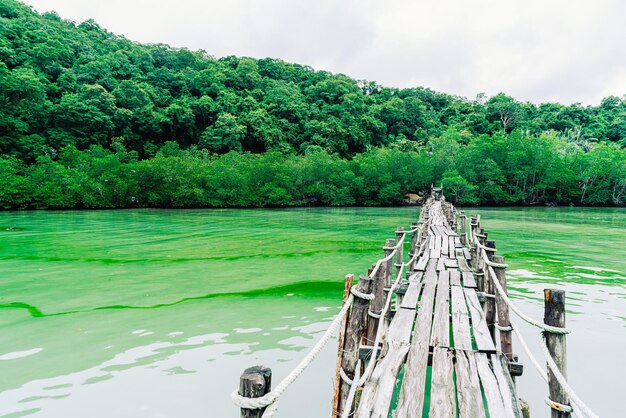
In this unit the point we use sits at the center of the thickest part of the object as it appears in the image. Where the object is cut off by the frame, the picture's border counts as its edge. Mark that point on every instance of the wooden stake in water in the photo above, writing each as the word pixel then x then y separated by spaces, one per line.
pixel 348 282
pixel 554 314
pixel 254 382
pixel 504 319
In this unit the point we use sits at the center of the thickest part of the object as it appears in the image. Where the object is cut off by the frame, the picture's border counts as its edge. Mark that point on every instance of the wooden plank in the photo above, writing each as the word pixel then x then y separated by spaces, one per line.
pixel 378 391
pixel 460 320
pixel 411 399
pixel 463 266
pixel 451 263
pixel 416 277
pixel 457 242
pixel 441 264
pixel 438 241
pixel 507 388
pixel 469 280
pixel 431 276
pixel 440 336
pixel 455 278
pixel 495 404
pixel 401 326
pixel 451 248
pixel 467 254
pixel 422 261
pixel 468 386
pixel 444 245
pixel 409 301
pixel 442 399
pixel 479 325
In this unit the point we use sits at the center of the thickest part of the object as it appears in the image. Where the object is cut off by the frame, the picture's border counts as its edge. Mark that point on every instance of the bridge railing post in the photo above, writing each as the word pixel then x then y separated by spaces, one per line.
pixel 504 319
pixel 254 382
pixel 554 314
pixel 354 334
pixel 463 219
pixel 347 284
pixel 490 290
pixel 388 266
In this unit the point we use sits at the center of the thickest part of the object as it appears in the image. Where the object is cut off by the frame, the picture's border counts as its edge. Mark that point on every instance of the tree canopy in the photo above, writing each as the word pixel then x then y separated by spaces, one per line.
pixel 72 92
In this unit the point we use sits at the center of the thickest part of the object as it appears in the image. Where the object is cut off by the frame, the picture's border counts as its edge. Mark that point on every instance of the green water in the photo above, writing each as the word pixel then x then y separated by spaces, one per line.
pixel 153 313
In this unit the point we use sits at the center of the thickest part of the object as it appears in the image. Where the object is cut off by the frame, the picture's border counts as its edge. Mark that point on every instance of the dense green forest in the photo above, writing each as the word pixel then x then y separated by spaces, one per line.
pixel 89 119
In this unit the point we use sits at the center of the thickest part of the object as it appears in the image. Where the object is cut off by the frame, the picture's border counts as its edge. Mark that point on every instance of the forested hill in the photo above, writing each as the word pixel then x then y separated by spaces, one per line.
pixel 73 96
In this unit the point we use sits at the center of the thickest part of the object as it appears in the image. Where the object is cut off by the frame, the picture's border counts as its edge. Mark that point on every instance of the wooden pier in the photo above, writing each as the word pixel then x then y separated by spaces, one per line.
pixel 440 348
pixel 430 336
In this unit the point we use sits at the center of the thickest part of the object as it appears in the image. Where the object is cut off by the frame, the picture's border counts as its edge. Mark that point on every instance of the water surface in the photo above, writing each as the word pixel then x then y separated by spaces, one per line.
pixel 155 313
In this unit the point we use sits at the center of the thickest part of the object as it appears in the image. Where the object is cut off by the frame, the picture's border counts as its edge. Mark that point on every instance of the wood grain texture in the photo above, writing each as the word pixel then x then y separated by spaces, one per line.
pixel 495 403
pixel 470 399
pixel 411 400
pixel 440 335
pixel 442 398
pixel 460 320
pixel 479 326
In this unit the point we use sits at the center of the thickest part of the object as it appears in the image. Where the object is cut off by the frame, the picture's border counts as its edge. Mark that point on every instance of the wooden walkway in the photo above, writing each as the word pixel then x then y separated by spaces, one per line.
pixel 430 336
pixel 439 354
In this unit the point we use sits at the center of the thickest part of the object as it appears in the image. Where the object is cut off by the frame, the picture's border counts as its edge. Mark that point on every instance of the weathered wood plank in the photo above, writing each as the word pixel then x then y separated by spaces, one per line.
pixel 411 399
pixel 457 241
pixel 455 278
pixel 467 254
pixel 463 266
pixel 479 325
pixel 423 260
pixel 442 399
pixel 460 320
pixel 377 393
pixel 444 245
pixel 469 280
pixel 438 241
pixel 451 263
pixel 495 404
pixel 441 264
pixel 451 248
pixel 440 335
pixel 409 301
pixel 468 386
pixel 505 383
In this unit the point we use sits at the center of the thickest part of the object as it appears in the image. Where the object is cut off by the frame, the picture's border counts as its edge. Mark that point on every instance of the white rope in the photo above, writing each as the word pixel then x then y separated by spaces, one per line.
pixel 347 407
pixel 353 387
pixel 538 367
pixel 514 308
pixel 361 295
pixel 563 382
pixel 270 400
pixel 271 397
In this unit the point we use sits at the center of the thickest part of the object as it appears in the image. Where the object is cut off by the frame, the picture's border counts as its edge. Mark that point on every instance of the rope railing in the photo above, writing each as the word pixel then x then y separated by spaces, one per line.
pixel 575 400
pixel 270 399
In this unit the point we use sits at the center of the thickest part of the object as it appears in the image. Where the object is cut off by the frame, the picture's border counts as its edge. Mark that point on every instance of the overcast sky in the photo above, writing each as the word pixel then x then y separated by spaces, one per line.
pixel 536 50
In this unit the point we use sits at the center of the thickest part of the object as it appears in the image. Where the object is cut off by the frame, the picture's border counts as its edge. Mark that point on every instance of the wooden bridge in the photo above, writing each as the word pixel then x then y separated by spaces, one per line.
pixel 436 341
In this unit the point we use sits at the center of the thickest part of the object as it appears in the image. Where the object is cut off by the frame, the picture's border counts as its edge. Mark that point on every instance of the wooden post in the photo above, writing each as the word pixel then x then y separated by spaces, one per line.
pixel 354 334
pixel 463 228
pixel 254 382
pixel 347 284
pixel 413 248
pixel 376 307
pixel 490 289
pixel 554 314
pixel 388 265
pixel 399 254
pixel 504 320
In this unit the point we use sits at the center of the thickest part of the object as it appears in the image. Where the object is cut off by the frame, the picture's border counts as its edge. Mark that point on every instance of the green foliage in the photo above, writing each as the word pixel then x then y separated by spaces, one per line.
pixel 89 119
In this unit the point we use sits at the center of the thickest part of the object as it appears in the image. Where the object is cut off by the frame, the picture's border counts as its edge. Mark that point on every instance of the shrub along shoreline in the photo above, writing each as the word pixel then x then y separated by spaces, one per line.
pixel 493 170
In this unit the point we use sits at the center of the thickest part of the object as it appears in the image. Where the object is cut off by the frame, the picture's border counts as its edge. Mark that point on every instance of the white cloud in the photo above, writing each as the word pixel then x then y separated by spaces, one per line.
pixel 537 50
